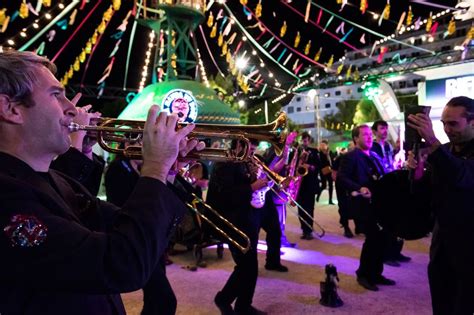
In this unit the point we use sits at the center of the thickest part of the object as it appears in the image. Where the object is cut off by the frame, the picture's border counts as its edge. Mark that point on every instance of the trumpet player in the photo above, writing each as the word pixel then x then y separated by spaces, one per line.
pixel 59 255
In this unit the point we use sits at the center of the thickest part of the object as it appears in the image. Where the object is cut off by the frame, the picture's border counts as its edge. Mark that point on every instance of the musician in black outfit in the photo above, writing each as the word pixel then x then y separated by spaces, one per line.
pixel 357 174
pixel 451 169
pixel 384 150
pixel 309 185
pixel 63 250
pixel 327 157
pixel 343 200
pixel 230 191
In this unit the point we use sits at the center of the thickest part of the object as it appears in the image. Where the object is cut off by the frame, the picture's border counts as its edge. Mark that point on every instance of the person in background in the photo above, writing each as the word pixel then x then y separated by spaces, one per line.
pixel 450 168
pixel 326 157
pixel 230 192
pixel 384 150
pixel 358 172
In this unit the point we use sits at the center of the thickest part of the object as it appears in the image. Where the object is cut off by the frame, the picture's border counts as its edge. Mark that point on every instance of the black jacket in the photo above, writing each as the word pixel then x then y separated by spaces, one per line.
pixel 66 252
pixel 356 170
pixel 452 178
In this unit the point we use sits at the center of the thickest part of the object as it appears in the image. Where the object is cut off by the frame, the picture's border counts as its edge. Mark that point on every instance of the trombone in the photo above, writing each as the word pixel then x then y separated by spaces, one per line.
pixel 191 200
pixel 113 132
pixel 281 181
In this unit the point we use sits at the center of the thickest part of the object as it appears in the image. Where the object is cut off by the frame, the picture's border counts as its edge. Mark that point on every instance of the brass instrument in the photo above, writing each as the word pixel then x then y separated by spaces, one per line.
pixel 281 183
pixel 112 132
pixel 244 247
pixel 191 200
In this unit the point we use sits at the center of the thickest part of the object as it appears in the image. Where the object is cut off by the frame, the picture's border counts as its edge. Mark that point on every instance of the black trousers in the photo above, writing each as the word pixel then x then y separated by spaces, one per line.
pixel 372 255
pixel 306 200
pixel 270 223
pixel 328 183
pixel 158 295
pixel 240 287
pixel 343 204
pixel 451 283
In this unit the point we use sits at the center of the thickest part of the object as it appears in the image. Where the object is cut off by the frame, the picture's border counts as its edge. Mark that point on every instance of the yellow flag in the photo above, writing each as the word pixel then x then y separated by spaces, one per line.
pixel 283 29
pixel 214 31
pixel 356 74
pixel 429 22
pixel 82 56
pixel 210 19
pixel 386 12
pixel 330 62
pixel 451 26
pixel 46 3
pixel 77 65
pixel 318 54
pixel 243 2
pixel 24 12
pixel 297 40
pixel 258 9
pixel 409 16
pixel 220 40
pixel 307 48
pixel 349 72
pixel 116 4
pixel 339 68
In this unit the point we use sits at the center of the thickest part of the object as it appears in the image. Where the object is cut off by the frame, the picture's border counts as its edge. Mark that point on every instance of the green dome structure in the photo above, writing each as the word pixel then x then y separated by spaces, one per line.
pixel 175 63
pixel 211 110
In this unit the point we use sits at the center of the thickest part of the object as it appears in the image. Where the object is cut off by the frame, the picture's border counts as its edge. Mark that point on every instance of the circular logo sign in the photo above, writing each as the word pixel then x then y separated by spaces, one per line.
pixel 182 103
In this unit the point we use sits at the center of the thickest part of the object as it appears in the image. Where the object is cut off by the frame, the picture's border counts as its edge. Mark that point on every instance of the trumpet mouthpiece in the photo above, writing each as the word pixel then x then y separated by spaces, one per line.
pixel 74 127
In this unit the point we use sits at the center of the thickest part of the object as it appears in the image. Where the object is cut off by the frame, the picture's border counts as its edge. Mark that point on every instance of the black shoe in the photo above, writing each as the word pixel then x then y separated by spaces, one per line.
pixel 384 281
pixel 392 263
pixel 348 232
pixel 364 282
pixel 224 307
pixel 279 267
pixel 307 237
pixel 331 203
pixel 403 258
pixel 249 311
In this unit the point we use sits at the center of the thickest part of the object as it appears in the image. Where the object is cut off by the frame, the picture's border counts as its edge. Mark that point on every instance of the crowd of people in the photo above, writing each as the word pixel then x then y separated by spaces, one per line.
pixel 67 252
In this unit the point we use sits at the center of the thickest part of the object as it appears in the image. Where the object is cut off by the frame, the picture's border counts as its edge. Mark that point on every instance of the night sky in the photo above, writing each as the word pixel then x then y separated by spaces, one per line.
pixel 274 12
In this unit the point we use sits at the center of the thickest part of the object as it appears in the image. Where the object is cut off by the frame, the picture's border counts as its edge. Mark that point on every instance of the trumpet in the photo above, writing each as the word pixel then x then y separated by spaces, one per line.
pixel 113 132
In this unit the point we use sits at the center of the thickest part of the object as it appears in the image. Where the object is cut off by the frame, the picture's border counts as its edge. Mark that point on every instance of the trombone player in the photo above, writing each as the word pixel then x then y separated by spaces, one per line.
pixel 230 191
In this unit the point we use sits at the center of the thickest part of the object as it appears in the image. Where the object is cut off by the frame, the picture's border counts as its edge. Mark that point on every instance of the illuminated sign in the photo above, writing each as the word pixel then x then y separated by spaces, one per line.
pixel 181 102
pixel 439 92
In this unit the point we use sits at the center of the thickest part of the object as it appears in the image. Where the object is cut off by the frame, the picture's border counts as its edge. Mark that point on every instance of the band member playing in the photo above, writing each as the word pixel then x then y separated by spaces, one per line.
pixel 384 150
pixel 327 158
pixel 309 187
pixel 63 250
pixel 451 172
pixel 358 173
pixel 230 191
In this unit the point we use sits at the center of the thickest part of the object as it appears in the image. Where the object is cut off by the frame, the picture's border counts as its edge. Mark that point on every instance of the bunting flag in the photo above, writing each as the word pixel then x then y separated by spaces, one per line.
pixel 417 23
pixel 24 11
pixel 409 16
pixel 297 40
pixel 339 68
pixel 364 4
pixel 308 9
pixel 328 22
pixel 356 74
pixel 258 9
pixel 386 11
pixel 72 17
pixel 283 29
pixel 318 54
pixel 451 27
pixel 400 21
pixel 434 28
pixel 213 31
pixel 429 22
pixel 319 16
pixel 330 62
pixel 210 19
pixel 383 50
pixel 345 36
pixel 340 28
pixel 46 3
pixel 307 48
pixel 349 72
pixel 362 39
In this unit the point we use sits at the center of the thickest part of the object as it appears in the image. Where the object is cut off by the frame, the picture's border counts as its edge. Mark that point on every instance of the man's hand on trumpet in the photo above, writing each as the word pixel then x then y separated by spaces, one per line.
pixel 163 143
